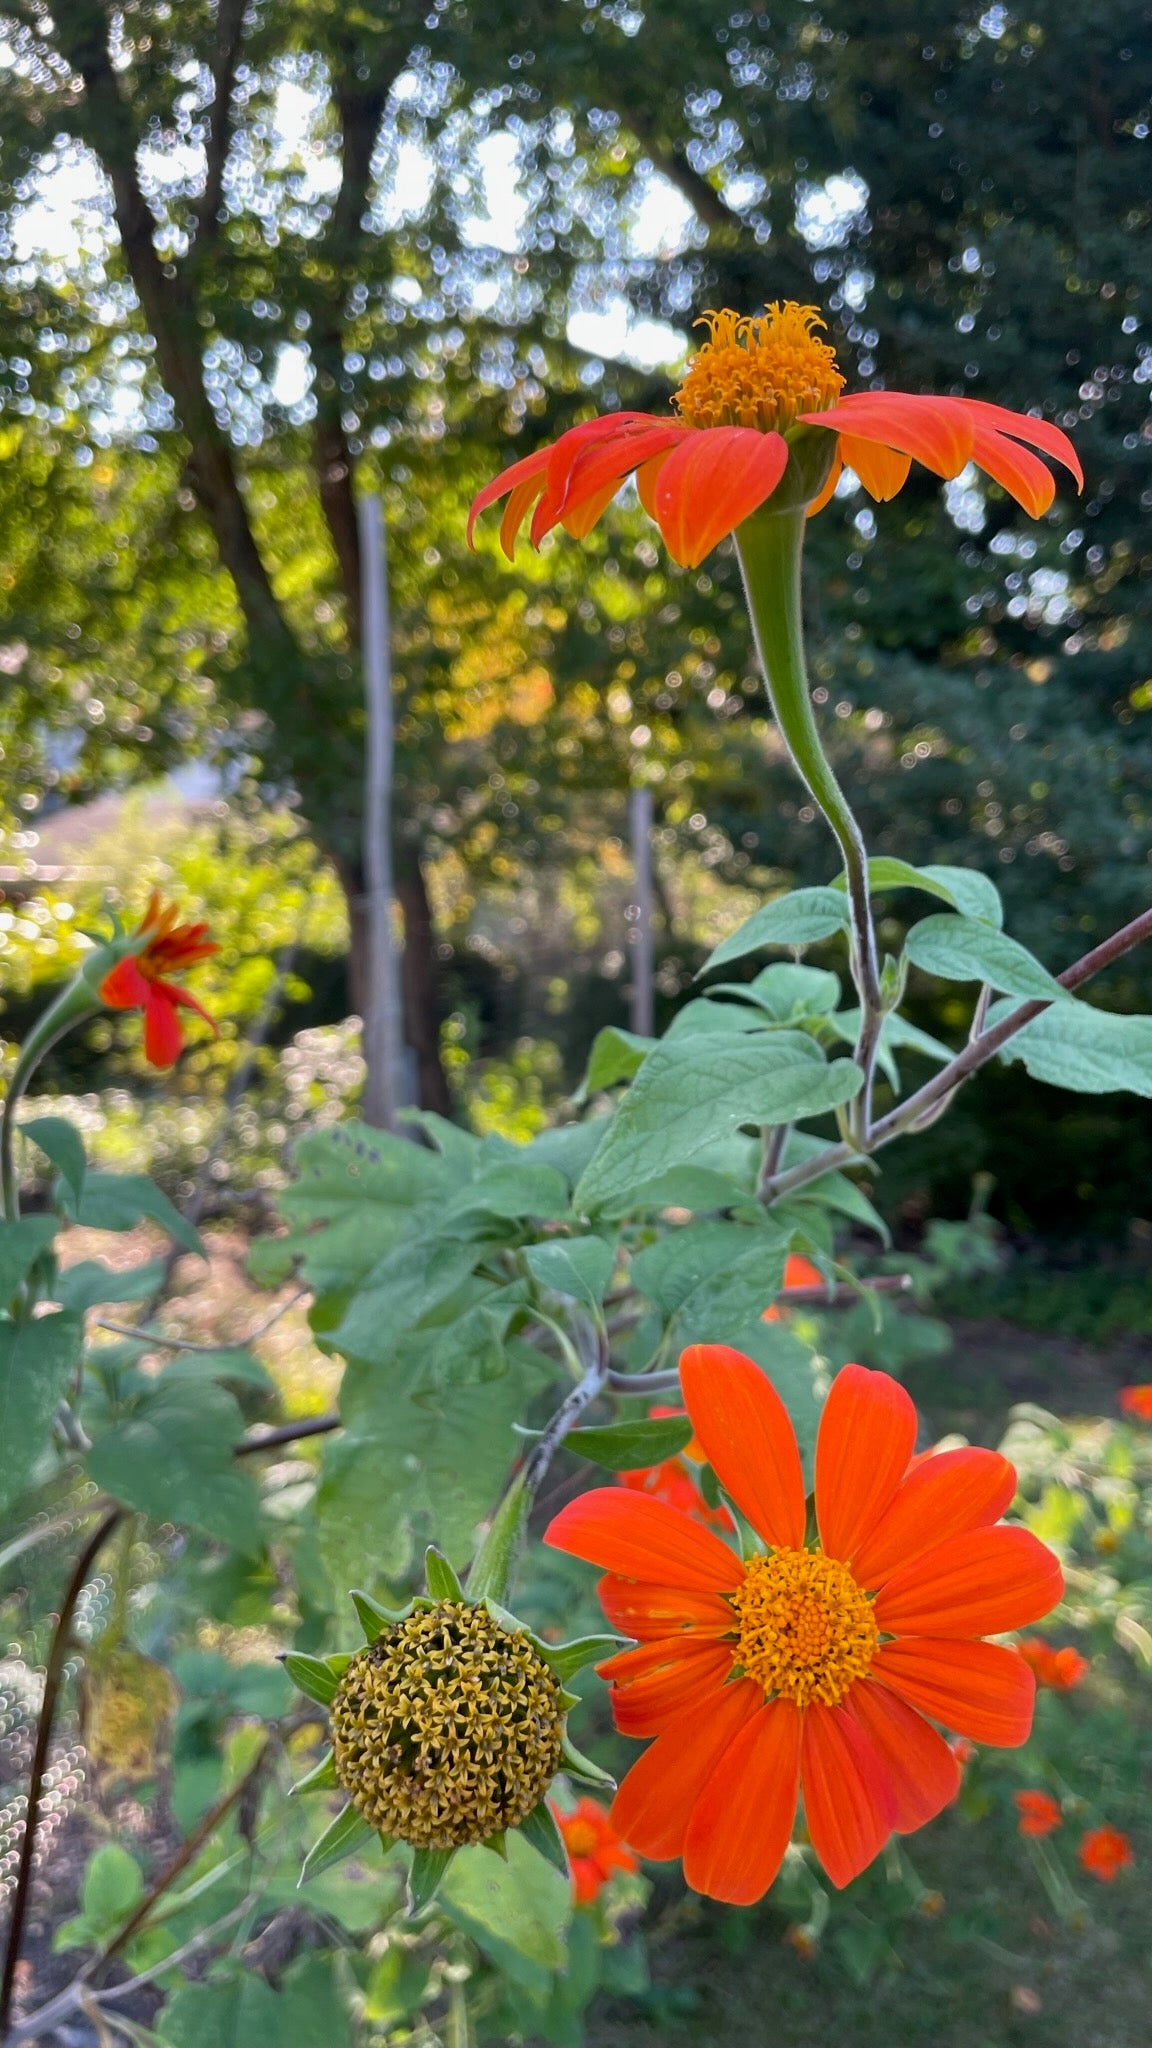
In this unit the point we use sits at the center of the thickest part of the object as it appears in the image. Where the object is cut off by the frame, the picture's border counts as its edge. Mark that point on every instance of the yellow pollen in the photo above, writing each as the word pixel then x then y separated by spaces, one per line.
pixel 760 371
pixel 807 1631
pixel 581 1839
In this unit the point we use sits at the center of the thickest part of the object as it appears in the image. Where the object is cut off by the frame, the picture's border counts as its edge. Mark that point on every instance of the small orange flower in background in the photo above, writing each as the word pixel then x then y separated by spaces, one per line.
pixel 754 381
pixel 672 1483
pixel 813 1669
pixel 798 1272
pixel 1060 1670
pixel 962 1749
pixel 595 1850
pixel 1137 1402
pixel 140 981
pixel 1039 1813
pixel 1104 1852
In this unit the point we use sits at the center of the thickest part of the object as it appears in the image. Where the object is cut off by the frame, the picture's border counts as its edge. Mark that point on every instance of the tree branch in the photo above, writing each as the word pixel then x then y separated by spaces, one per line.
pixel 229 43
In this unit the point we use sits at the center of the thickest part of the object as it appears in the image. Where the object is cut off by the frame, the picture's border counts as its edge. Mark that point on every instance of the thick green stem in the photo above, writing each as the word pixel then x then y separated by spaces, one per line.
pixel 770 546
pixel 72 1006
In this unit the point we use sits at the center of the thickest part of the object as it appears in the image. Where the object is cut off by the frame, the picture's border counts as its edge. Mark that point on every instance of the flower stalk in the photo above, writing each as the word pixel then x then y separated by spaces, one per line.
pixel 74 1005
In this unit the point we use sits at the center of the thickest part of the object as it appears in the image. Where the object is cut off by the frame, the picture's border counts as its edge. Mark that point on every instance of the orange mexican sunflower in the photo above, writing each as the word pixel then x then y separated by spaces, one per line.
pixel 1060 1670
pixel 810 1668
pixel 595 1850
pixel 1137 1402
pixel 1039 1814
pixel 763 392
pixel 1104 1852
pixel 140 981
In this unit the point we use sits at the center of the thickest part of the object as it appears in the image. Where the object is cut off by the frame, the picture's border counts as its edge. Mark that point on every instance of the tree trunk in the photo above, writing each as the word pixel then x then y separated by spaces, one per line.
pixel 420 974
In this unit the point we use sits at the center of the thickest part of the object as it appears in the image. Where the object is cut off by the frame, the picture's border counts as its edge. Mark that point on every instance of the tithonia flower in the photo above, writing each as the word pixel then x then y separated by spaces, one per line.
pixel 1137 1402
pixel 672 1482
pixel 140 980
pixel 595 1851
pixel 755 391
pixel 1060 1670
pixel 1104 1852
pixel 1039 1813
pixel 448 1728
pixel 808 1667
pixel 798 1272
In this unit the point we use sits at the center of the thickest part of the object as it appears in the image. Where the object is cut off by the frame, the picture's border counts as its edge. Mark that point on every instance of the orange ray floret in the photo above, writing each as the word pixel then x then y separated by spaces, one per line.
pixel 808 1672
pixel 750 394
pixel 1039 1814
pixel 141 980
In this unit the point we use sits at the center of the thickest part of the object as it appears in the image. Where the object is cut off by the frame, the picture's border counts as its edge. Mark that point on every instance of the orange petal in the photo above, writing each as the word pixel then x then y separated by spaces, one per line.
pixel 163 1038
pixel 982 1690
pixel 748 1439
pixel 848 1806
pixel 646 479
pixel 866 1435
pixel 923 1775
pixel 614 430
pixel 611 459
pixel 1024 426
pixel 520 503
pixel 653 1684
pixel 508 479
pixel 712 481
pixel 653 1807
pixel 943 1496
pixel 124 987
pixel 1022 475
pixel 934 430
pixel 822 497
pixel 742 1822
pixel 639 1537
pixel 580 519
pixel 649 1611
pixel 882 471
pixel 976 1585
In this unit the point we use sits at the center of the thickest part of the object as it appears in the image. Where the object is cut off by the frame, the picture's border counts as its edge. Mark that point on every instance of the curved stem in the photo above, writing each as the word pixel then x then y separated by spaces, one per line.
pixel 73 1004
pixel 770 546
pixel 53 1675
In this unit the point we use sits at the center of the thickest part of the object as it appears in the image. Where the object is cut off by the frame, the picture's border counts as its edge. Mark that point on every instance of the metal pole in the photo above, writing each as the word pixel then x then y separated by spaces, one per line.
pixel 640 929
pixel 383 1028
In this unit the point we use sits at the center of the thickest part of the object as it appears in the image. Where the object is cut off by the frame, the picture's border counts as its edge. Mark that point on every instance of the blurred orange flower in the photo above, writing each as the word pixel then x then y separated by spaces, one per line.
pixel 818 1668
pixel 757 388
pixel 140 981
pixel 1039 1813
pixel 1060 1670
pixel 1137 1402
pixel 672 1483
pixel 798 1272
pixel 1104 1852
pixel 595 1850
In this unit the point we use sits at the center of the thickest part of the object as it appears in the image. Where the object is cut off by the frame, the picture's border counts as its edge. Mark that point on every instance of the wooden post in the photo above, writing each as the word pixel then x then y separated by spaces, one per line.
pixel 640 926
pixel 384 1089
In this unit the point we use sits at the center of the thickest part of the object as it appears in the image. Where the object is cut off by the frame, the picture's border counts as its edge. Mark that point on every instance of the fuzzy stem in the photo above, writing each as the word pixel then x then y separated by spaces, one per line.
pixel 770 546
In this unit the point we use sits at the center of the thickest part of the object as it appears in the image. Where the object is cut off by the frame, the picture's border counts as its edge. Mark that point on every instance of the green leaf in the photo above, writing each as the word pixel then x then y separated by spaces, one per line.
pixel 348 1835
pixel 578 1766
pixel 786 991
pixel 374 1619
pixel 494 1566
pixel 566 1659
pixel 401 1291
pixel 311 1676
pixel 445 1351
pixel 798 919
pixel 90 1282
pixel 568 1147
pixel 615 1056
pixel 429 1869
pixel 113 1885
pixel 171 1458
pixel 442 1581
pixel 459 1147
pixel 1088 1051
pixel 896 1034
pixel 578 1266
pixel 541 1831
pixel 243 2011
pixel 21 1244
pixel 60 1142
pixel 321 1778
pixel 516 1911
pixel 516 1188
pixel 632 1446
pixel 119 1201
pixel 238 1368
pixel 359 1191
pixel 966 889
pixel 691 1091
pixel 670 1270
pixel 37 1361
pixel 963 949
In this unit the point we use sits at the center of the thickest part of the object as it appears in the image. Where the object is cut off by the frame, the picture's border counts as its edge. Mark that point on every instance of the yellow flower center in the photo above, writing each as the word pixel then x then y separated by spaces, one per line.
pixel 760 371
pixel 581 1838
pixel 807 1631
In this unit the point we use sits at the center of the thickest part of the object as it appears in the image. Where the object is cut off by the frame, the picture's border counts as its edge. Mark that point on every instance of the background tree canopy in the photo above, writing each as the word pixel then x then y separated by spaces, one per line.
pixel 255 256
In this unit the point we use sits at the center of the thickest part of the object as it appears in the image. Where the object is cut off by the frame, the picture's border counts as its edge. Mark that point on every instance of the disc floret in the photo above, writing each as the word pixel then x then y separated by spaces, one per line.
pixel 759 371
pixel 448 1728
pixel 807 1630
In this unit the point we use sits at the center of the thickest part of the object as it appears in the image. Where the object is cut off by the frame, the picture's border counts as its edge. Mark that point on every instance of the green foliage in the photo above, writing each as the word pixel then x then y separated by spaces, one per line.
pixel 37 1363
pixel 174 1448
